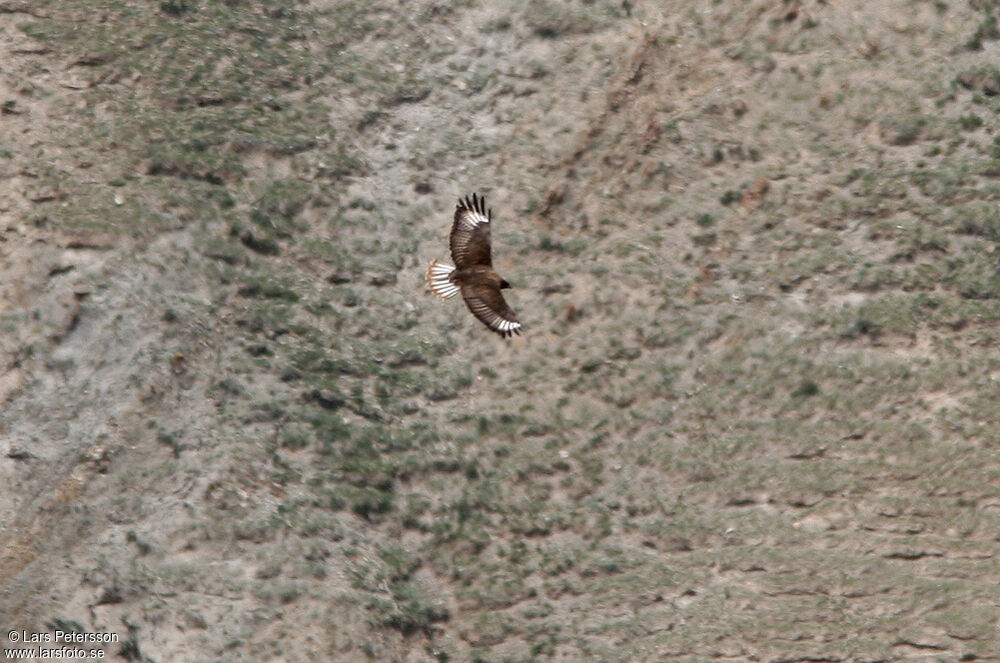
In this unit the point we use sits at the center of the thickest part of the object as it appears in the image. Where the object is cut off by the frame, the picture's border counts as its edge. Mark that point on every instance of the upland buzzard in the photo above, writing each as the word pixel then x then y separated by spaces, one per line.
pixel 473 273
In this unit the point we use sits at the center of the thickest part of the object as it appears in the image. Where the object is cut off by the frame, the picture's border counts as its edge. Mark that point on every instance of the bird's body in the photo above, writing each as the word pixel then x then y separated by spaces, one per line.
pixel 473 274
pixel 478 275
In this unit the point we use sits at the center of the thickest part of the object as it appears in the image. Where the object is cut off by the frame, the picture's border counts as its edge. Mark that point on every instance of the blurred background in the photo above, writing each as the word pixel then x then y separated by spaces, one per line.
pixel 754 415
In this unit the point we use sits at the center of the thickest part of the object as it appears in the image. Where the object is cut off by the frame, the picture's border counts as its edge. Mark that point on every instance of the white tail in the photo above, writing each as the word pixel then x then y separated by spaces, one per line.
pixel 438 281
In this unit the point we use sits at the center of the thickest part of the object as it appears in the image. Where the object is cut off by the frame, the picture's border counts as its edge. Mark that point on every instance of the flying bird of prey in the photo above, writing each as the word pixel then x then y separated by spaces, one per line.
pixel 473 273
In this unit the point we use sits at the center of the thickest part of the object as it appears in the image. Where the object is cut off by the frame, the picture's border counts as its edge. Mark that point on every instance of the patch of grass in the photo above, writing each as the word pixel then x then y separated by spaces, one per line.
pixel 987 30
pixel 807 388
pixel 903 129
pixel 409 610
pixel 268 288
pixel 277 208
pixel 970 122
pixel 196 116
pixel 979 221
pixel 974 276
pixel 396 599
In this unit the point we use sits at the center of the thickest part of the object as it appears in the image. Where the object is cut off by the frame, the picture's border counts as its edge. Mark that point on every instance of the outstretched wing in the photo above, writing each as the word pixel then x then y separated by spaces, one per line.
pixel 470 233
pixel 487 304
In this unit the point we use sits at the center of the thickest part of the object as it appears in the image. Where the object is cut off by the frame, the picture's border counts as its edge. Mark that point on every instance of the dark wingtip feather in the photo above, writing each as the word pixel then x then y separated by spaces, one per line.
pixel 475 203
pixel 509 333
pixel 467 203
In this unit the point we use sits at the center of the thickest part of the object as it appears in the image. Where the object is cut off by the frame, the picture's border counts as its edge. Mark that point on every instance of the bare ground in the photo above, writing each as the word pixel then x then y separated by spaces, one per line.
pixel 754 415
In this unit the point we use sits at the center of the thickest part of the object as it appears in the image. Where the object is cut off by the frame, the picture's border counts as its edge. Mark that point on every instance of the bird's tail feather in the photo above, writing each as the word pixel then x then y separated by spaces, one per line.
pixel 438 280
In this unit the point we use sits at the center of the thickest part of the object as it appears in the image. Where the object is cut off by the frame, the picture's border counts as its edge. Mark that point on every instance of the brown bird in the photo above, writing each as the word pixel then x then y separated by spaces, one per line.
pixel 473 273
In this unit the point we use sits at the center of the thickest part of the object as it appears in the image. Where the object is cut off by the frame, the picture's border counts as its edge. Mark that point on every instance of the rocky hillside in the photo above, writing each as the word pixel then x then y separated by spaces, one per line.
pixel 755 413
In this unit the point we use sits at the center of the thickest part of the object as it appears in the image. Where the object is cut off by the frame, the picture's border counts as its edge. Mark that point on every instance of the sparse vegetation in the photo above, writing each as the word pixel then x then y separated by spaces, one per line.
pixel 755 250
